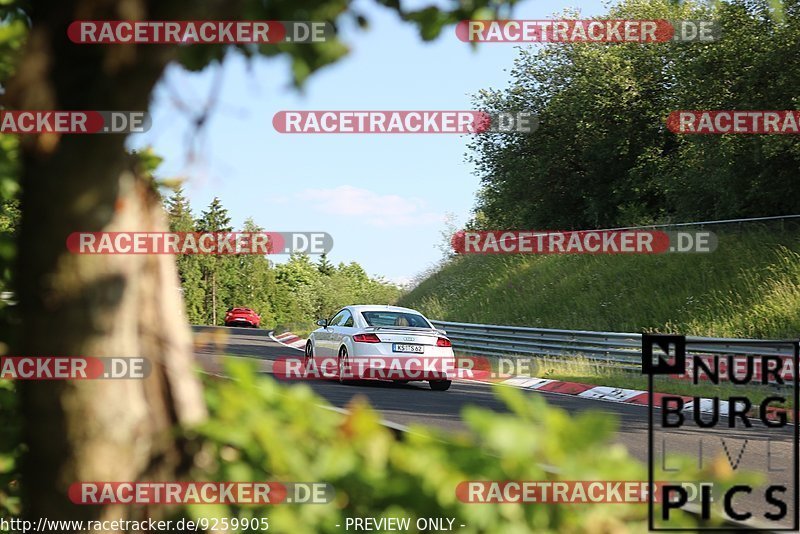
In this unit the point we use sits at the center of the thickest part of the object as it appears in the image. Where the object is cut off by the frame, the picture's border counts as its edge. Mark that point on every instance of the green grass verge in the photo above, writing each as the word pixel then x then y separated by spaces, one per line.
pixel 749 287
pixel 587 372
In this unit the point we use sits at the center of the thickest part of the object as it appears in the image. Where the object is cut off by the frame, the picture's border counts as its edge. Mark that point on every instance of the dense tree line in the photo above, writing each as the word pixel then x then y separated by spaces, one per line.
pixel 603 156
pixel 290 294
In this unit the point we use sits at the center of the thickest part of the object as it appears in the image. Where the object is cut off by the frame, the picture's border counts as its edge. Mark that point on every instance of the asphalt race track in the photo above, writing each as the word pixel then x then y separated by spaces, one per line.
pixel 416 403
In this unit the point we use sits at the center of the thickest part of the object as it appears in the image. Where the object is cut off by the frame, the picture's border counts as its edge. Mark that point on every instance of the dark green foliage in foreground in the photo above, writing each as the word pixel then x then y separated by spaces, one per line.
pixel 261 431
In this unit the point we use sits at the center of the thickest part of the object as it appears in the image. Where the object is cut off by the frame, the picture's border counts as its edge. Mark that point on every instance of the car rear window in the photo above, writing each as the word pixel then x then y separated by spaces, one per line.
pixel 393 318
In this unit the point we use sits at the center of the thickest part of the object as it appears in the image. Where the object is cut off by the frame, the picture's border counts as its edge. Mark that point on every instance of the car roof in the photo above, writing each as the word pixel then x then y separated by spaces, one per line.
pixel 378 307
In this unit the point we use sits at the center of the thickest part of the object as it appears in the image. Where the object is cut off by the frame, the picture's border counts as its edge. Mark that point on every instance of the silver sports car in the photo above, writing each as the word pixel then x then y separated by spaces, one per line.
pixel 385 343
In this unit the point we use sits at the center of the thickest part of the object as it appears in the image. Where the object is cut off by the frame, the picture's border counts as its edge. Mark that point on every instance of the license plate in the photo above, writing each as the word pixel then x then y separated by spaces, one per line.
pixel 399 347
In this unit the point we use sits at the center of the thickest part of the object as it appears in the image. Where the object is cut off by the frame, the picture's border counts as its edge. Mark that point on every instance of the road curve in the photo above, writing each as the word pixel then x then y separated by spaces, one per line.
pixel 416 403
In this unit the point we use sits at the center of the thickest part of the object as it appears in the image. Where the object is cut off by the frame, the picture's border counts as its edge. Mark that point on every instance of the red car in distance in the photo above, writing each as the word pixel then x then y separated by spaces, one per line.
pixel 242 317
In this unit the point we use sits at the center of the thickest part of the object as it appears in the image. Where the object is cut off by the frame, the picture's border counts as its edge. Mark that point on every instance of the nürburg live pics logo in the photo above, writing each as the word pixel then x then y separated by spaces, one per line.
pixel 726 449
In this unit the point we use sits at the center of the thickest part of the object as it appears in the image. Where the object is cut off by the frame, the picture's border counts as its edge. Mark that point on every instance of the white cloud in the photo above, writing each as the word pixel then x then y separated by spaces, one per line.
pixel 373 208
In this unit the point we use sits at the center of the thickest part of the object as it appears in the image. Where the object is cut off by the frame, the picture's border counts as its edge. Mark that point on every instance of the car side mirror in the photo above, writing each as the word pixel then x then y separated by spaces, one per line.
pixel 322 322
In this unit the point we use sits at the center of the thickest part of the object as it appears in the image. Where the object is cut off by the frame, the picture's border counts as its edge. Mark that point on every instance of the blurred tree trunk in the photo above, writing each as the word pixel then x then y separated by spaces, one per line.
pixel 103 305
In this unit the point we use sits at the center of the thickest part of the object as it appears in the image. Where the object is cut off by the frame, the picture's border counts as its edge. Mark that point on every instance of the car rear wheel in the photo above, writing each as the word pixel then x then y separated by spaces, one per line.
pixel 309 352
pixel 440 385
pixel 344 367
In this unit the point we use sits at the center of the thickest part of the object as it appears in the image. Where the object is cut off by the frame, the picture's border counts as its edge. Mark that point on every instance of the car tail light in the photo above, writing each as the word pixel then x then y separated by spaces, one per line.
pixel 443 342
pixel 366 338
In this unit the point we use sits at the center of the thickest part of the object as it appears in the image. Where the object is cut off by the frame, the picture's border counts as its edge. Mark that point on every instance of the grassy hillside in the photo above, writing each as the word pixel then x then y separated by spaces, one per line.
pixel 748 287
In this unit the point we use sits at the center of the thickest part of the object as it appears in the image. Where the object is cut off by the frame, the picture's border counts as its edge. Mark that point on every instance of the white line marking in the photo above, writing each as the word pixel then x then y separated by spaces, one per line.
pixel 276 340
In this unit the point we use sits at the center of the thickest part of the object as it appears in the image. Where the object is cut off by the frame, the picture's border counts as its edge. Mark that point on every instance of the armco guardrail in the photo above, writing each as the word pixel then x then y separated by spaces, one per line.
pixel 782 219
pixel 620 348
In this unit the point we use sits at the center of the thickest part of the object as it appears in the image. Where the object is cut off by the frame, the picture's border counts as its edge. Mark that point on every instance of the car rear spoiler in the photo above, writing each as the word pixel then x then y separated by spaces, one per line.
pixel 401 329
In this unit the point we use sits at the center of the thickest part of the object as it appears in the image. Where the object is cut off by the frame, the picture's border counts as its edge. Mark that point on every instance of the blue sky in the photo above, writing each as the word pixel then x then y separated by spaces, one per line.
pixel 383 198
